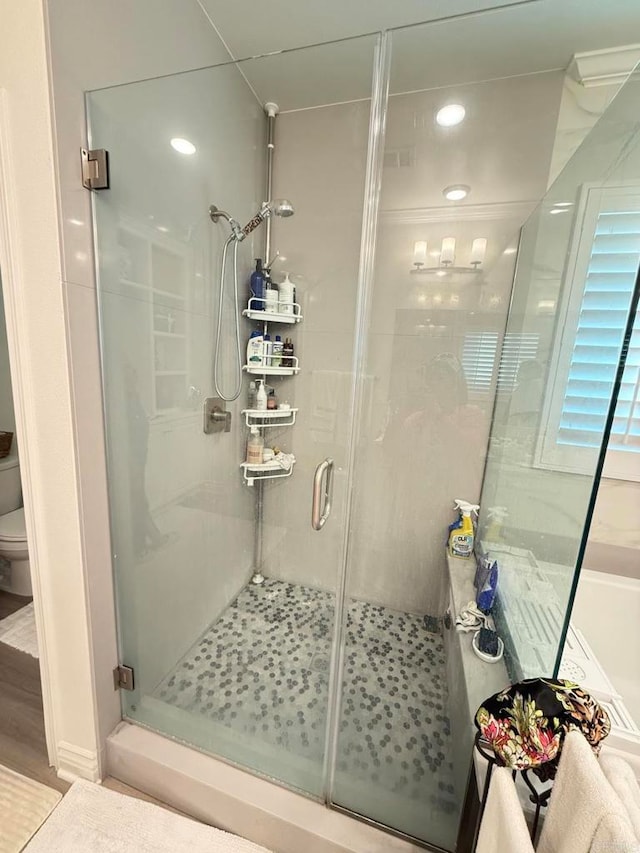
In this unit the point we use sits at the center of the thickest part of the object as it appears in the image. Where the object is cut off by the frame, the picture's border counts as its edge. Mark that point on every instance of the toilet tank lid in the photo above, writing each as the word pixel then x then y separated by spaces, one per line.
pixel 9 461
pixel 12 526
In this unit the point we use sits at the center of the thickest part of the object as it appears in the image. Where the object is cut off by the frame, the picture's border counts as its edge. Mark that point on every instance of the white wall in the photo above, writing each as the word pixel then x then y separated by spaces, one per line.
pixel 7 413
pixel 320 165
pixel 613 539
pixel 56 322
pixel 37 315
pixel 413 457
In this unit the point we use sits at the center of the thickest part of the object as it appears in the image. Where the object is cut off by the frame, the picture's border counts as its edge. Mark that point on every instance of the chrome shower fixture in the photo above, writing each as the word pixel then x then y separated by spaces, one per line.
pixel 215 213
pixel 279 207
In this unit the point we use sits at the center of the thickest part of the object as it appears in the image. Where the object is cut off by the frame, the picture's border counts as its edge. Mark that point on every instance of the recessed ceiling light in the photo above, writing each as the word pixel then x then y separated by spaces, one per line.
pixel 456 192
pixel 183 146
pixel 450 115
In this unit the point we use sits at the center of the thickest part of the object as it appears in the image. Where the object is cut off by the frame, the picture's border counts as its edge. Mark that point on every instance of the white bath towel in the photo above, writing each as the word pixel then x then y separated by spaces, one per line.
pixel 584 811
pixel 503 828
pixel 623 781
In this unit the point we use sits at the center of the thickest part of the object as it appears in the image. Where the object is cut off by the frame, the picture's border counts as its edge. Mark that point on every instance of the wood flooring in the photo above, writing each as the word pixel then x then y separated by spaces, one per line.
pixel 22 743
pixel 9 603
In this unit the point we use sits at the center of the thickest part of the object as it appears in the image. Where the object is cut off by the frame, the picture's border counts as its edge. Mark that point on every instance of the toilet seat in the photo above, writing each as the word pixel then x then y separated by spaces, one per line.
pixel 12 526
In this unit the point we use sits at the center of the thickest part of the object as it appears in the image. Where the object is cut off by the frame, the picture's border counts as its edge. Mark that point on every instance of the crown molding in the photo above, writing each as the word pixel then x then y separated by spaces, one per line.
pixel 608 67
pixel 459 213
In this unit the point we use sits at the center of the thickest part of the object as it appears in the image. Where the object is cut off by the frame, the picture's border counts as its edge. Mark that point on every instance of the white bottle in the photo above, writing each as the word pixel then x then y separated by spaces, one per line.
pixel 276 352
pixel 251 395
pixel 255 349
pixel 271 297
pixel 267 350
pixel 286 296
pixel 261 397
pixel 255 447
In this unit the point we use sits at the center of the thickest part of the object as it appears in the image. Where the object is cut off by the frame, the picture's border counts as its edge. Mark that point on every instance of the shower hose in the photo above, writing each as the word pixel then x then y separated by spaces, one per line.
pixel 216 357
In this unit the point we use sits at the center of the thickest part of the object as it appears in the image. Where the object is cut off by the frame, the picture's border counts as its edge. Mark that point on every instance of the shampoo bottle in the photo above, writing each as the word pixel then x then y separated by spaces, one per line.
pixel 267 350
pixel 286 296
pixel 270 296
pixel 276 352
pixel 255 349
pixel 461 538
pixel 261 397
pixel 287 353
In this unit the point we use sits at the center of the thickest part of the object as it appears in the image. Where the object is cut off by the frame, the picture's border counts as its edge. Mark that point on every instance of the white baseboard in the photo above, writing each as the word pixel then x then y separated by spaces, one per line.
pixel 74 762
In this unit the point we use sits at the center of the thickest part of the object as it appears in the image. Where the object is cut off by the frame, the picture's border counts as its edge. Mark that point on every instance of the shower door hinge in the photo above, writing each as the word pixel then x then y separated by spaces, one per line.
pixel 95 168
pixel 123 678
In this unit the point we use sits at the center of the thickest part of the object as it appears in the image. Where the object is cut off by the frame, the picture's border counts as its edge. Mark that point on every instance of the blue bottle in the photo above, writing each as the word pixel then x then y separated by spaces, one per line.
pixel 257 287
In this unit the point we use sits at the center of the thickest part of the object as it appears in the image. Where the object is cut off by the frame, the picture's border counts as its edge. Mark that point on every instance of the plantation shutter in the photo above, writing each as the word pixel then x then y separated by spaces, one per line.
pixel 478 360
pixel 611 277
pixel 600 280
pixel 517 347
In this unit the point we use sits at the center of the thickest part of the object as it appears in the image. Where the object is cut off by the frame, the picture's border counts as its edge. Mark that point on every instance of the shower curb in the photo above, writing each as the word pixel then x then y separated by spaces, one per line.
pixel 232 799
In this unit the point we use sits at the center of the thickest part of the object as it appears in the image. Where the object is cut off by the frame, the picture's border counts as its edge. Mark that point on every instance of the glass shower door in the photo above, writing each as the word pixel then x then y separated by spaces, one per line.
pixel 238 669
pixel 455 377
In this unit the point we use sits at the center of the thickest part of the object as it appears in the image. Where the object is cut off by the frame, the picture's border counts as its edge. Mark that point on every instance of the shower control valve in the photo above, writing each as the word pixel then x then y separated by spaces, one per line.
pixel 216 418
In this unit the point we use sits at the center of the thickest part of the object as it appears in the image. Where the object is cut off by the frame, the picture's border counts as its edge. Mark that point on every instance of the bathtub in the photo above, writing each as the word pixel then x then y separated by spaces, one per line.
pixel 604 644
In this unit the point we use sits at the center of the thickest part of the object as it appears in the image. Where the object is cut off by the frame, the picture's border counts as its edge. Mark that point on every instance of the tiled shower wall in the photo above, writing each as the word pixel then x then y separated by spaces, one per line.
pixel 424 434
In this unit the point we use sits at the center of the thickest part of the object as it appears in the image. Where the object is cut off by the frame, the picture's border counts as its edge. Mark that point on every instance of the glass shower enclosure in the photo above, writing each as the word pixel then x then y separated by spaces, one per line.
pixel 333 673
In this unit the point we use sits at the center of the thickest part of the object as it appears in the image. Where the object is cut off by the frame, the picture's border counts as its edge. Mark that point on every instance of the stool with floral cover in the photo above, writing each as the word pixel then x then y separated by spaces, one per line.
pixel 524 726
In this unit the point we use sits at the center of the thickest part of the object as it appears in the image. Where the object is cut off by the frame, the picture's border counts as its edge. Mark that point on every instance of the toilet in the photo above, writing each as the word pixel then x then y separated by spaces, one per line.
pixel 15 574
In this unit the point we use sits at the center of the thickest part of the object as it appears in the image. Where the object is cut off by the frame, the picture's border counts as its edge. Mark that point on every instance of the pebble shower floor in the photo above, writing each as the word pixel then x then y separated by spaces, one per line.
pixel 262 669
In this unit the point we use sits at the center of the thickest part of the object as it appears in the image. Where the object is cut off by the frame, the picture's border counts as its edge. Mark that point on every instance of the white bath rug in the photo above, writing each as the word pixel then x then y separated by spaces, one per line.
pixel 92 818
pixel 24 806
pixel 19 630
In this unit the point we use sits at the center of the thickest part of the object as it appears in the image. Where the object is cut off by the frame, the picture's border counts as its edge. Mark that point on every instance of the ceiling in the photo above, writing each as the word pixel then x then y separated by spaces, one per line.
pixel 251 28
pixel 465 41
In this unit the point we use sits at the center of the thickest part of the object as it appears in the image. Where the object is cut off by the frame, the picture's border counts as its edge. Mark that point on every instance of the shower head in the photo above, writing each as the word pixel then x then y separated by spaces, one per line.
pixel 282 207
pixel 278 206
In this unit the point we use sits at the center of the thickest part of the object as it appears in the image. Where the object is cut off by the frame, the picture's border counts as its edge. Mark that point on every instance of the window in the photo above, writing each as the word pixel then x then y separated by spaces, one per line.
pixel 481 357
pixel 605 262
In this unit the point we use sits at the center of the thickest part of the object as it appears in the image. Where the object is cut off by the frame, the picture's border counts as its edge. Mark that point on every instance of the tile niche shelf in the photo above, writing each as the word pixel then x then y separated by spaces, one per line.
pixel 154 271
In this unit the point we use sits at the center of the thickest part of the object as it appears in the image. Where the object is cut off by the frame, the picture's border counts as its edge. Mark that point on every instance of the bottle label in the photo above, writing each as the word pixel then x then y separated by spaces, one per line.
pixel 461 545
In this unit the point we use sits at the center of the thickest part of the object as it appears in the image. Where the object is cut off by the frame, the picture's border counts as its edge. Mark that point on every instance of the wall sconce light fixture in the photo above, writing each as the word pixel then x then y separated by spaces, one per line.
pixel 447 259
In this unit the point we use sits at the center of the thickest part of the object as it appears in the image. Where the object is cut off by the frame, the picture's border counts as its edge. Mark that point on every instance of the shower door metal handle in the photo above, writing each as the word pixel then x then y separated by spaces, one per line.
pixel 322 493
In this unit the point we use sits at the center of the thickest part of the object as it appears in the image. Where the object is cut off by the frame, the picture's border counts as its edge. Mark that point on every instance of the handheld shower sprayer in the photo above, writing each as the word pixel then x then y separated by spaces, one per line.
pixel 278 207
